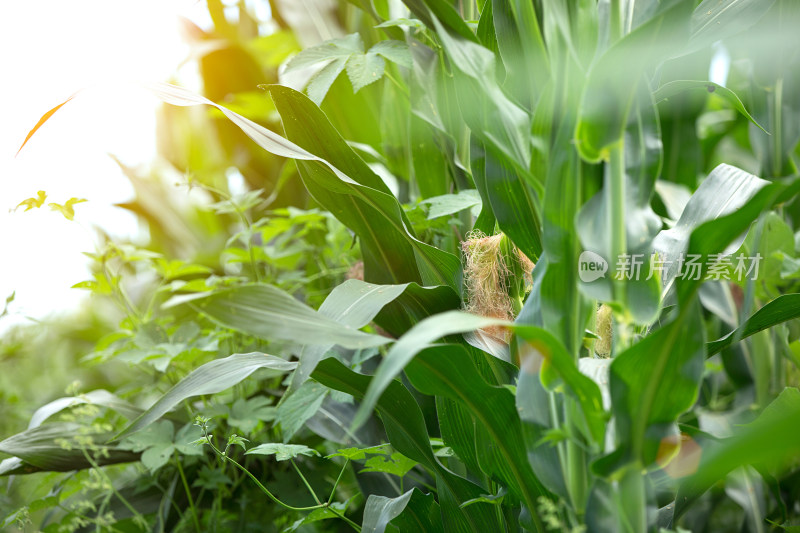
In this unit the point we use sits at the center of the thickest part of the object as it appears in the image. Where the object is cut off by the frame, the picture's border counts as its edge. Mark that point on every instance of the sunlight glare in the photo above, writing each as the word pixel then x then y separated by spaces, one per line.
pixel 52 49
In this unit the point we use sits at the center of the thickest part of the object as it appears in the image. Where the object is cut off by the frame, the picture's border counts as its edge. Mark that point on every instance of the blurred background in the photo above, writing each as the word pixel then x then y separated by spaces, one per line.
pixel 51 50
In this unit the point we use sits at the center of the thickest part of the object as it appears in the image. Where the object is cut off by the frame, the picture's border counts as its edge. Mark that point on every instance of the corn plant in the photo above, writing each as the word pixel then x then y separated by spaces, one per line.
pixel 573 308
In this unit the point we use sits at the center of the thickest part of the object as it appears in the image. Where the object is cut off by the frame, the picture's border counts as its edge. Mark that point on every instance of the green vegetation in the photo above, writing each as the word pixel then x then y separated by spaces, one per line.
pixel 501 266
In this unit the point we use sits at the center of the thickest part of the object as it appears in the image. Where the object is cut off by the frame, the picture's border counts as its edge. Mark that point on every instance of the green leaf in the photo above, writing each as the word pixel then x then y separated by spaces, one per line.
pixel 448 370
pixel 402 417
pixel 210 378
pixel 54 448
pixel 449 204
pixel 656 380
pixel 411 23
pixel 784 307
pixel 491 499
pixel 394 51
pixel 380 510
pixel 363 69
pixel 537 347
pixel 211 479
pixel 246 414
pixel 362 201
pixel 614 78
pixel 404 350
pixel 397 464
pixel 95 397
pixel 765 442
pixel 420 514
pixel 405 428
pixel 269 313
pixel 725 190
pixel 357 454
pixel 282 452
pixel 676 87
pixel 158 442
pixel 295 410
pixel 342 47
pixel 714 20
pixel 431 12
pixel 491 116
pixel 320 83
pixel 318 515
pixel 715 235
pixel 356 303
pixel 515 205
pixel 521 47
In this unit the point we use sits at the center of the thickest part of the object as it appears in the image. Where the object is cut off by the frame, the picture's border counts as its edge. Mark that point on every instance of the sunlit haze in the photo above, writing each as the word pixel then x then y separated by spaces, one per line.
pixel 51 49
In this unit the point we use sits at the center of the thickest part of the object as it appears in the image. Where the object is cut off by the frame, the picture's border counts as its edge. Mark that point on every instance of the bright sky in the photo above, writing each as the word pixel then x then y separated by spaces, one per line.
pixel 50 49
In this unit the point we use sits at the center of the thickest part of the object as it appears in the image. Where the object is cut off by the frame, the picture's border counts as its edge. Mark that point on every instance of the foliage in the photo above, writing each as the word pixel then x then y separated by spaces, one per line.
pixel 310 335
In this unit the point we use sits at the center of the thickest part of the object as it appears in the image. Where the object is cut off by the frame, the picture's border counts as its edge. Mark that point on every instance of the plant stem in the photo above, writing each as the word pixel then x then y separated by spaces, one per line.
pixel 556 424
pixel 343 517
pixel 267 492
pixel 616 213
pixel 338 479
pixel 777 131
pixel 616 25
pixel 192 507
pixel 119 496
pixel 396 83
pixel 632 500
pixel 576 459
pixel 305 482
pixel 264 489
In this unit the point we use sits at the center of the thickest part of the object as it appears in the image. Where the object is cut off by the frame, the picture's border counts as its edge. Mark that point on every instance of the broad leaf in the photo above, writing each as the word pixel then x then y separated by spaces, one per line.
pixel 765 442
pixel 296 409
pixel 210 378
pixel 58 447
pixel 679 86
pixel 356 303
pixel 418 338
pixel 613 79
pixel 269 313
pixel 537 350
pixel 784 307
pixel 724 191
pixel 392 254
pixel 714 20
pixel 95 397
pixel 449 204
pixel 656 380
pixel 405 428
pixel 449 371
pixel 421 513
pixel 380 510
